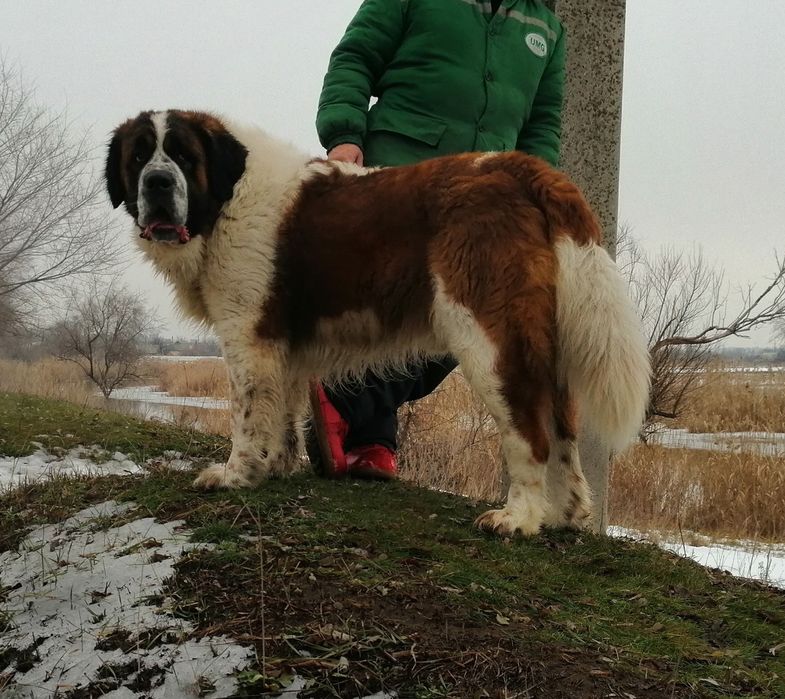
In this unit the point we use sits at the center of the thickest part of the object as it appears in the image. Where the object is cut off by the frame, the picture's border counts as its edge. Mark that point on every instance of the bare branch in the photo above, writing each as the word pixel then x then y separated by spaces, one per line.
pixel 683 303
pixel 767 307
pixel 53 218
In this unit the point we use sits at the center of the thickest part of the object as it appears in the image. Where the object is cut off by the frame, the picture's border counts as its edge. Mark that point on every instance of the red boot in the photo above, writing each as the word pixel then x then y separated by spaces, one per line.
pixel 329 431
pixel 372 461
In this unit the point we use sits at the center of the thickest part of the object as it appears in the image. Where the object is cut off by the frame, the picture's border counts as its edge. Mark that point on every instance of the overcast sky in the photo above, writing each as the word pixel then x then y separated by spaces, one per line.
pixel 703 137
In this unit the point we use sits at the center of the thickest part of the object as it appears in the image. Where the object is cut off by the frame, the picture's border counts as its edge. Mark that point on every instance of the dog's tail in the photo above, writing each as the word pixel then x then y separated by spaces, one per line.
pixel 603 356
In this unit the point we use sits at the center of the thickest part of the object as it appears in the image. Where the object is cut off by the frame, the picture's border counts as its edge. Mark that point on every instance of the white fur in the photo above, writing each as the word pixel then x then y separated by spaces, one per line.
pixel 569 494
pixel 161 161
pixel 325 167
pixel 602 352
pixel 223 281
pixel 484 157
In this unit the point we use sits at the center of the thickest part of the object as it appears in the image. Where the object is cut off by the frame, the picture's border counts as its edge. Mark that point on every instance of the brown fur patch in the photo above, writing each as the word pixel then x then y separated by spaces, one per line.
pixel 342 250
pixel 565 416
pixel 372 242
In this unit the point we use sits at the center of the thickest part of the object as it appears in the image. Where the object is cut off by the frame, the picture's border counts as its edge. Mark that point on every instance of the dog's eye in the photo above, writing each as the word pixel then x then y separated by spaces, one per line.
pixel 183 159
pixel 139 156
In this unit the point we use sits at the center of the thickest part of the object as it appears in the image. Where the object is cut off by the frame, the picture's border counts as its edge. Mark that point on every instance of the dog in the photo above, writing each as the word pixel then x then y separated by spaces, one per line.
pixel 311 268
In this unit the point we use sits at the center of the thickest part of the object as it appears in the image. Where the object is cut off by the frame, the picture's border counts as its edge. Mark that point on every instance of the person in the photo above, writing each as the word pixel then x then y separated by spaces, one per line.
pixel 450 76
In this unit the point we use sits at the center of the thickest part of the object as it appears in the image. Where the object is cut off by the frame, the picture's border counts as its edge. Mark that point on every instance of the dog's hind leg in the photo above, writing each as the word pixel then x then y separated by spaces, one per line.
pixel 518 395
pixel 525 450
pixel 256 373
pixel 568 492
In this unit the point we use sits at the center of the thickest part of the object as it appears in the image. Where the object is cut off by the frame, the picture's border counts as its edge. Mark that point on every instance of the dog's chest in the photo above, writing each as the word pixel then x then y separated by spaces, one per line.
pixel 236 279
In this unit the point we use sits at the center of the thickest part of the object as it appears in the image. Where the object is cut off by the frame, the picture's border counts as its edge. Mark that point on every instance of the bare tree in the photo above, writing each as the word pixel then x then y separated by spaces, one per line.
pixel 52 226
pixel 684 303
pixel 104 334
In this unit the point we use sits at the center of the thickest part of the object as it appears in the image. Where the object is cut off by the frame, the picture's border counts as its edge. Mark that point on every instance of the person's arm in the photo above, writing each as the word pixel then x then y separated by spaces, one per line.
pixel 356 65
pixel 541 135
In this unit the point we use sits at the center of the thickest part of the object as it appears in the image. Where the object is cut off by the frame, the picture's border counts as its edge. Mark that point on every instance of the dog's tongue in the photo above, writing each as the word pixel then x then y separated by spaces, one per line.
pixel 182 232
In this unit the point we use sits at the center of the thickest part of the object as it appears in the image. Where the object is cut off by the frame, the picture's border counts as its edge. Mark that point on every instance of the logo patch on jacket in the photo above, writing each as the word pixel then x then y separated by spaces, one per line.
pixel 537 45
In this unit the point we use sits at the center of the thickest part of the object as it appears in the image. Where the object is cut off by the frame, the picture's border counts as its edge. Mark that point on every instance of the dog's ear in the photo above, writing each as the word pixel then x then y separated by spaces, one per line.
pixel 113 173
pixel 225 163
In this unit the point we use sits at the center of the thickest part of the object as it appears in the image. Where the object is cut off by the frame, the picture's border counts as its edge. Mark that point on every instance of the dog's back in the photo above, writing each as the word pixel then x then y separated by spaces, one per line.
pixel 360 255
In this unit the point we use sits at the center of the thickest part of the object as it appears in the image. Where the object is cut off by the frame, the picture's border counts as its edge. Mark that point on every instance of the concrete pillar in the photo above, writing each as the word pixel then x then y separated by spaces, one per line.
pixel 590 150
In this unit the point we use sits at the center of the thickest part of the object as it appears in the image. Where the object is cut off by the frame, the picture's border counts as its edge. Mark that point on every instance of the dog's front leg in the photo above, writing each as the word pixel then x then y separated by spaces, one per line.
pixel 288 460
pixel 256 374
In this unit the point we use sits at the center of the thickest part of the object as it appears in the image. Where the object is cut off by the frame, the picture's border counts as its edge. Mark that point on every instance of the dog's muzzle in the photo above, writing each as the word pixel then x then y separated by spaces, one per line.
pixel 158 189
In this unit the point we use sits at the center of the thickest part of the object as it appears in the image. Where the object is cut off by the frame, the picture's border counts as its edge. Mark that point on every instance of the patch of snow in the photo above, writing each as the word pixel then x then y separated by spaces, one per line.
pixel 122 693
pixel 764 443
pixel 73 587
pixel 733 370
pixel 80 461
pixel 149 394
pixel 173 460
pixel 183 358
pixel 752 369
pixel 746 559
pixel 15 471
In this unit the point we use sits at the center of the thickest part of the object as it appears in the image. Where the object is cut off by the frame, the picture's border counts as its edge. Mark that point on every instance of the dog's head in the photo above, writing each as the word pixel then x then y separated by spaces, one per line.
pixel 173 170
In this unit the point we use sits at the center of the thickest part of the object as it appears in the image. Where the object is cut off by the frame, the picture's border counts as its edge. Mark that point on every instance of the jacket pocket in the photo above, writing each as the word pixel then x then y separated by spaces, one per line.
pixel 421 128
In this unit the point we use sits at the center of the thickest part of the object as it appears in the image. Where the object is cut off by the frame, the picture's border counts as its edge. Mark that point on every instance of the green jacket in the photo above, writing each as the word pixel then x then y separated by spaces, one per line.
pixel 449 78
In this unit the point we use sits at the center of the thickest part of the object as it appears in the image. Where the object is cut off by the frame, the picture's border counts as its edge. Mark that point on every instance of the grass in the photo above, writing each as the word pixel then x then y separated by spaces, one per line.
pixel 735 495
pixel 48 378
pixel 448 442
pixel 204 377
pixel 29 420
pixel 361 587
pixel 737 401
pixel 58 426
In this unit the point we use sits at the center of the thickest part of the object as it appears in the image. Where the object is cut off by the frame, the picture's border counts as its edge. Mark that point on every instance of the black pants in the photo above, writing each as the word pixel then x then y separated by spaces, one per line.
pixel 371 407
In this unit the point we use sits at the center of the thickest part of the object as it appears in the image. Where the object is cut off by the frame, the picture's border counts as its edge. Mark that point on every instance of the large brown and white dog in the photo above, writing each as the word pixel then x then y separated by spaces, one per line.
pixel 311 268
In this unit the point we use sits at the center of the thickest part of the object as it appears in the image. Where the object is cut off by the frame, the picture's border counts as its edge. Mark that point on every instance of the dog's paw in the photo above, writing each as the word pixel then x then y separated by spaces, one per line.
pixel 285 466
pixel 221 476
pixel 524 512
pixel 507 522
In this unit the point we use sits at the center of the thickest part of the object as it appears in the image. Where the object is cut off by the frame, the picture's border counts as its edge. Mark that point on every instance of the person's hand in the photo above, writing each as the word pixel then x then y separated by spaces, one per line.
pixel 347 153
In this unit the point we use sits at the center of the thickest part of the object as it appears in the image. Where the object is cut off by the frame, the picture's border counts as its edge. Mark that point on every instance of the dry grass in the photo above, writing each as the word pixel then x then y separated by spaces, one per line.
pixel 739 401
pixel 203 377
pixel 449 442
pixel 200 378
pixel 48 378
pixel 210 420
pixel 727 494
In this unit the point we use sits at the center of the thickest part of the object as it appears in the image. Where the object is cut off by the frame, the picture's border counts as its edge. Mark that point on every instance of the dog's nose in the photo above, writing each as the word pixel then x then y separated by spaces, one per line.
pixel 159 182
